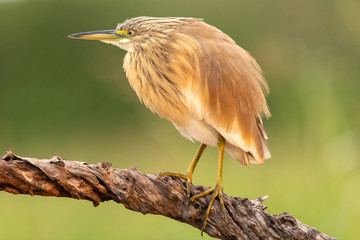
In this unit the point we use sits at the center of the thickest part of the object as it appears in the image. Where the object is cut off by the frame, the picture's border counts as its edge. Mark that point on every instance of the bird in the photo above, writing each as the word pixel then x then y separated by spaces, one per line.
pixel 198 78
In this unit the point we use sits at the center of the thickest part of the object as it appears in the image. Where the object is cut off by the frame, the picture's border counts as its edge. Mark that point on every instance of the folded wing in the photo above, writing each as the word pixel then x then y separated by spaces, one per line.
pixel 227 91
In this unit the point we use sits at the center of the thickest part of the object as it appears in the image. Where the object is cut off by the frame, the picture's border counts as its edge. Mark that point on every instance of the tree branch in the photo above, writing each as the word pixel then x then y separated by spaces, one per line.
pixel 143 193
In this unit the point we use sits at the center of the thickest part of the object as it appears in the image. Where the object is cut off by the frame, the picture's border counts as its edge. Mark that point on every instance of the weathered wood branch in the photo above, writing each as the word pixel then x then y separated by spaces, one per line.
pixel 143 193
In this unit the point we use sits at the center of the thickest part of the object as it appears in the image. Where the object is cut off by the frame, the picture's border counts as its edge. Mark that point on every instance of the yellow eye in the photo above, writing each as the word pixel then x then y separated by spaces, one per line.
pixel 130 33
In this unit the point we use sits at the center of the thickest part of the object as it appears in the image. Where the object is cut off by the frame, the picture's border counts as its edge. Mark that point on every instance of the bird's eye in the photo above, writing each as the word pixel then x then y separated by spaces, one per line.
pixel 130 33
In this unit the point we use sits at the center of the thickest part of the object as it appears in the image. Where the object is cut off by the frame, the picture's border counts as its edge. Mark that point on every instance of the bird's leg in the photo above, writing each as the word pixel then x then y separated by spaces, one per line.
pixel 218 188
pixel 192 166
pixel 189 172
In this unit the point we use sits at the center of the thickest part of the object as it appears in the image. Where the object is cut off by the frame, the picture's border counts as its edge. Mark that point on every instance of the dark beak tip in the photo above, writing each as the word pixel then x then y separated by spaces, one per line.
pixel 75 35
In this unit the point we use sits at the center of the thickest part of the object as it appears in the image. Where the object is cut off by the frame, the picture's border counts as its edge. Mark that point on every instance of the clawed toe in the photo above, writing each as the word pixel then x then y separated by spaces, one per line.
pixel 217 191
pixel 187 177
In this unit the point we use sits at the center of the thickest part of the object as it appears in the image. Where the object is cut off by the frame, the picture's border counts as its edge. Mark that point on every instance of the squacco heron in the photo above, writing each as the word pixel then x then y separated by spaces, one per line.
pixel 198 78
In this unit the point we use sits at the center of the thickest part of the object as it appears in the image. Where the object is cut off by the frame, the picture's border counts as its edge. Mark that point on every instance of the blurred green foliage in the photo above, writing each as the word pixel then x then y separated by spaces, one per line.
pixel 67 97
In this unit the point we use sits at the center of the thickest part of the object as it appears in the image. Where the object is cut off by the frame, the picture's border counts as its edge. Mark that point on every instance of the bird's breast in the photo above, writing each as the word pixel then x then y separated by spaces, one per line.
pixel 155 88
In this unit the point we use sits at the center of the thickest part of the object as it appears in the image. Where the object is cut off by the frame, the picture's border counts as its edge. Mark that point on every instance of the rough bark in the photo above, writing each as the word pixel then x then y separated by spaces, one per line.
pixel 143 193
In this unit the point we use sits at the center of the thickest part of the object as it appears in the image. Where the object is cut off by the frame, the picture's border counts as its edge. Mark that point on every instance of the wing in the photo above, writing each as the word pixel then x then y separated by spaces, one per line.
pixel 226 88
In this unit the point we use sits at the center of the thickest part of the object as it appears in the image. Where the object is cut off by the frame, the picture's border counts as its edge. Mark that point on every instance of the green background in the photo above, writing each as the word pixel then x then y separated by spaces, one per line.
pixel 71 98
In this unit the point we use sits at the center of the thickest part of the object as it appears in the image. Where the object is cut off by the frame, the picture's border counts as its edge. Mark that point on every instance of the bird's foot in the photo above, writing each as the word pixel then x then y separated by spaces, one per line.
pixel 187 177
pixel 217 191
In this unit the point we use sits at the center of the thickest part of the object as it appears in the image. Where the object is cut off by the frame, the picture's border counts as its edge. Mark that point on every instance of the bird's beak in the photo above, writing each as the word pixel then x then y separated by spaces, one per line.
pixel 105 35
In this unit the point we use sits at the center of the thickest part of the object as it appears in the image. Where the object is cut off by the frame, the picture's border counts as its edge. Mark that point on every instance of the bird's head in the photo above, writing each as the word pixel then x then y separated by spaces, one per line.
pixel 135 33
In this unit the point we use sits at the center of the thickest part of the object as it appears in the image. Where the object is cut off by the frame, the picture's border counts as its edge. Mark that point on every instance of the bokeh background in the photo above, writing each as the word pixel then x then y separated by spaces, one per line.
pixel 71 98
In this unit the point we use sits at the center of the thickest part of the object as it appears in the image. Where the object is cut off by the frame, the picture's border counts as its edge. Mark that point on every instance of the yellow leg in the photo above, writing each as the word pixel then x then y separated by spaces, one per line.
pixel 218 188
pixel 189 172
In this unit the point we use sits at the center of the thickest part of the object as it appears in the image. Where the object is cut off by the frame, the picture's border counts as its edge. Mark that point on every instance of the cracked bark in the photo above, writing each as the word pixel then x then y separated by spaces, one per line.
pixel 99 182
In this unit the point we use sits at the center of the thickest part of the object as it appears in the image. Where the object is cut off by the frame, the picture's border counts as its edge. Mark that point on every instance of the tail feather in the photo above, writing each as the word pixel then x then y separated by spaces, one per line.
pixel 264 137
pixel 245 157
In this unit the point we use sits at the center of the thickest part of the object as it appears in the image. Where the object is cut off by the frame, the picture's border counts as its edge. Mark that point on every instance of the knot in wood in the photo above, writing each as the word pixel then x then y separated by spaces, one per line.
pixel 56 160
pixel 106 165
